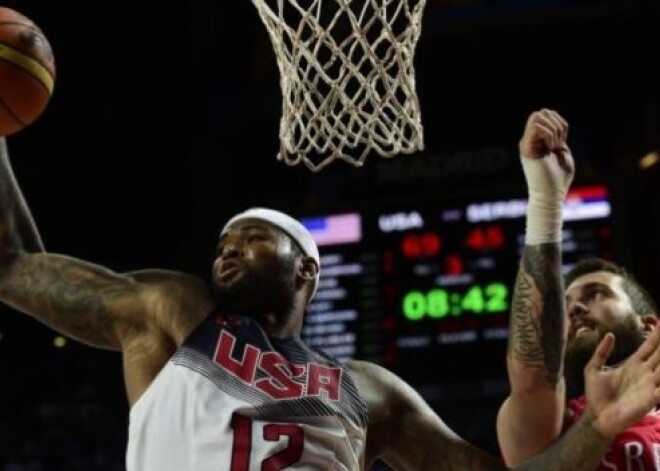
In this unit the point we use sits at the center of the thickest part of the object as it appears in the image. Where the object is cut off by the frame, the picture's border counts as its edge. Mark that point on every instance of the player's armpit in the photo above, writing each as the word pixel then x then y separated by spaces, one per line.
pixel 184 300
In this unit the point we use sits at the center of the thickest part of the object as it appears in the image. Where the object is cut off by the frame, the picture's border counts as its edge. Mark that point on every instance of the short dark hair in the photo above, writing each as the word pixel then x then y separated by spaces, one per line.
pixel 641 300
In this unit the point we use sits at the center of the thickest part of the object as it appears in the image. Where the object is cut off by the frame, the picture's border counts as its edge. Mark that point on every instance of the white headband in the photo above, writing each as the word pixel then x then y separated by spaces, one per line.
pixel 286 223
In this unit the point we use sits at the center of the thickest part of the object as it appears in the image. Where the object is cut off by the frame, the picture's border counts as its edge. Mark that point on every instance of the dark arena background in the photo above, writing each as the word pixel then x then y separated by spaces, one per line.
pixel 164 122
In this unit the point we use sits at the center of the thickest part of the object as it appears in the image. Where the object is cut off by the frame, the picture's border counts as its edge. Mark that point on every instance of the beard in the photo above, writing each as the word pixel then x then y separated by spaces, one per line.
pixel 267 289
pixel 628 338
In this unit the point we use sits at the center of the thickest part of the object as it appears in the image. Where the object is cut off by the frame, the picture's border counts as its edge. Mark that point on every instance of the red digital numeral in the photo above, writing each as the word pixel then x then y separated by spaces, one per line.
pixel 489 238
pixel 454 265
pixel 427 244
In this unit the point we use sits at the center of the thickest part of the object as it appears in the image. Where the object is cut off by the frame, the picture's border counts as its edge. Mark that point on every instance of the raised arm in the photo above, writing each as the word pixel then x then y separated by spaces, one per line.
pixel 15 208
pixel 79 299
pixel 531 417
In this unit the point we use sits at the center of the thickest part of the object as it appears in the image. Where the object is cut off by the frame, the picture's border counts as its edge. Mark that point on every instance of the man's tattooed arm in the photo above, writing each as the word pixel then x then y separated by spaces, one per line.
pixel 17 228
pixel 74 297
pixel 531 418
pixel 537 324
pixel 79 299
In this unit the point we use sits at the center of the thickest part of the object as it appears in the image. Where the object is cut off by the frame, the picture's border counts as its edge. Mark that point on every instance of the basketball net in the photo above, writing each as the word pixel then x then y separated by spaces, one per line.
pixel 347 78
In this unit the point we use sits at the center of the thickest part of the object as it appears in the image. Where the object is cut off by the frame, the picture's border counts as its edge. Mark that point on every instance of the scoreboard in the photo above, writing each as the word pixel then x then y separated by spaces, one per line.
pixel 425 287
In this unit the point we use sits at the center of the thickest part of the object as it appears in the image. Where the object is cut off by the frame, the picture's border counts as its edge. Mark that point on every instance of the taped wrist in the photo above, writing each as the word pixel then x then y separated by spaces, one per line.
pixel 547 191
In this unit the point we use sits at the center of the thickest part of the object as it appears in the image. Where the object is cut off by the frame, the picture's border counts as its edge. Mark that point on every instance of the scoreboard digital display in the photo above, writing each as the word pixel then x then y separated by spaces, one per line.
pixel 413 288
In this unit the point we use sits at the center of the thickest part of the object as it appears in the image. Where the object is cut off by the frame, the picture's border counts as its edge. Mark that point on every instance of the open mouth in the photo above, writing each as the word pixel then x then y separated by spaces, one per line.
pixel 583 330
pixel 226 274
pixel 228 271
pixel 583 327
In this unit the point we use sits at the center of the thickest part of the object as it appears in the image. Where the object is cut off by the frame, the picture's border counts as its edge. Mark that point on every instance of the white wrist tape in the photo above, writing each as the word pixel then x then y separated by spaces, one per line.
pixel 547 184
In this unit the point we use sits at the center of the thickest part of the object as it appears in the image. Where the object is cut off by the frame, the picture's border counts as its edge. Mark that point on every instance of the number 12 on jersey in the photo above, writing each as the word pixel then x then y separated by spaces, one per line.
pixel 243 443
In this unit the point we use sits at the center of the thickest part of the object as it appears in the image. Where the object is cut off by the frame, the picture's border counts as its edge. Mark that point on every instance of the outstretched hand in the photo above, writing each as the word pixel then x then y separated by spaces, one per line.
pixel 620 396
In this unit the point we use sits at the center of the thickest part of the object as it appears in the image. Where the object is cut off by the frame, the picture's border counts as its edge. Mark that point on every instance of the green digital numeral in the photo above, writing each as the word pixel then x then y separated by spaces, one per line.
pixel 497 294
pixel 473 300
pixel 437 303
pixel 414 305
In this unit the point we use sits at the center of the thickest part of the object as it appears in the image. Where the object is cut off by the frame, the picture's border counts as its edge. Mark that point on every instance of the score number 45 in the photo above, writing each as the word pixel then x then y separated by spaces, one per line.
pixel 438 303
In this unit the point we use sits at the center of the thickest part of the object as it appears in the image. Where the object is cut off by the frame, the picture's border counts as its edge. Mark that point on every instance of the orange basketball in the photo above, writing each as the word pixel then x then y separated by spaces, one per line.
pixel 27 71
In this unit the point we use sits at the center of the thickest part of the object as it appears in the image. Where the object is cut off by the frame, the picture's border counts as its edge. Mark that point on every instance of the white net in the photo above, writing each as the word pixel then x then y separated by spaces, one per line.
pixel 347 78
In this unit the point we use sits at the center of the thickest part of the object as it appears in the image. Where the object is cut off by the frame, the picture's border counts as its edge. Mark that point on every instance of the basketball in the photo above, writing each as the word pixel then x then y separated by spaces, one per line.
pixel 27 71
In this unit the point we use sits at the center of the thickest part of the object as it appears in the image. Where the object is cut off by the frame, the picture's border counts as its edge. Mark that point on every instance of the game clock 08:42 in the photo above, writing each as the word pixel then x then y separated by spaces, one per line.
pixel 439 303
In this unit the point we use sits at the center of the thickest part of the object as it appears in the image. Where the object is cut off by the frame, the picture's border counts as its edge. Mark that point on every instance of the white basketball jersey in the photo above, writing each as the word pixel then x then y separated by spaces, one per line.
pixel 234 399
